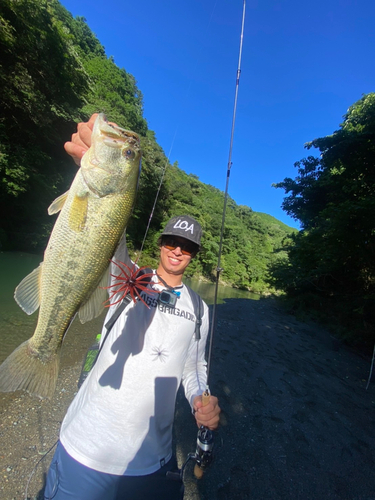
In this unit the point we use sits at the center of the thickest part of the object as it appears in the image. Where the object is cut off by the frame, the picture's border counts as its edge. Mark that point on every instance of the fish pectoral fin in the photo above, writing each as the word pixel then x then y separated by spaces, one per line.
pixel 57 205
pixel 78 213
pixel 27 293
pixel 95 304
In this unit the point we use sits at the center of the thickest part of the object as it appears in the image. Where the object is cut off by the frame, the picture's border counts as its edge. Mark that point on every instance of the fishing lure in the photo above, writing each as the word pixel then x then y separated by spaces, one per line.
pixel 131 281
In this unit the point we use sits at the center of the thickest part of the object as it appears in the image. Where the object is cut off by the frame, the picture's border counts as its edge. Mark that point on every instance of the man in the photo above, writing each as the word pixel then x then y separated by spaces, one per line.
pixel 116 439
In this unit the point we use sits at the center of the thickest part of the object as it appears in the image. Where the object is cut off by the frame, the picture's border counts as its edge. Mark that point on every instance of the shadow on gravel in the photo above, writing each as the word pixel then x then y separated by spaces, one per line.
pixel 297 422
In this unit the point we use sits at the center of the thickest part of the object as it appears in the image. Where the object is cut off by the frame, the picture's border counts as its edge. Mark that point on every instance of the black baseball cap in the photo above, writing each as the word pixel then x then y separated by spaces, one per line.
pixel 184 227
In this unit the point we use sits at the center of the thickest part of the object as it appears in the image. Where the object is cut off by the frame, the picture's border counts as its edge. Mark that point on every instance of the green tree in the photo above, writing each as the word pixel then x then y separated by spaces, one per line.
pixel 42 86
pixel 53 74
pixel 334 198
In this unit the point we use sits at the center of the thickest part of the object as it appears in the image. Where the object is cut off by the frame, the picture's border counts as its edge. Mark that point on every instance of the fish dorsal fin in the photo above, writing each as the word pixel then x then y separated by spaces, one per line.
pixel 95 304
pixel 27 293
pixel 57 205
pixel 78 213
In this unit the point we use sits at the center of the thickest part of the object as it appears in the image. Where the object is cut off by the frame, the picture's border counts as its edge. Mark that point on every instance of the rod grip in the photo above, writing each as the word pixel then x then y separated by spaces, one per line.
pixel 205 397
pixel 198 472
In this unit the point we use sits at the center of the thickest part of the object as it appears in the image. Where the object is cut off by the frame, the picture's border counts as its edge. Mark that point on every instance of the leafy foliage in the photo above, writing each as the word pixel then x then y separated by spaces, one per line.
pixel 53 73
pixel 333 258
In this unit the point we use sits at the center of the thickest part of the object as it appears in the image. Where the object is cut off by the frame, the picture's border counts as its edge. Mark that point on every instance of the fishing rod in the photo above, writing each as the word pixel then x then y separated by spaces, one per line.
pixel 205 442
pixel 219 269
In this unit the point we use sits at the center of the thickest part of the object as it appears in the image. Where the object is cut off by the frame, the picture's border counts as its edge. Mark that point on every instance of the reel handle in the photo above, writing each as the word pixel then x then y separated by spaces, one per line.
pixel 198 471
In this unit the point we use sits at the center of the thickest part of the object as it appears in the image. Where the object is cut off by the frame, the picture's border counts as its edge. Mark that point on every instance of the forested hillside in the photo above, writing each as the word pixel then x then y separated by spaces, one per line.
pixel 54 72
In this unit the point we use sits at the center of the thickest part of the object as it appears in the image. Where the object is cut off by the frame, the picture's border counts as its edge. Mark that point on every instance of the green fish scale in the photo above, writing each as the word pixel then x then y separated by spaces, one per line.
pixel 75 262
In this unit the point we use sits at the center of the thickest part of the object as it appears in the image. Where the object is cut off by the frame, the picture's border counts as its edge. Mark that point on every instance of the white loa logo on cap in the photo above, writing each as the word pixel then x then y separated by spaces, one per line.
pixel 183 224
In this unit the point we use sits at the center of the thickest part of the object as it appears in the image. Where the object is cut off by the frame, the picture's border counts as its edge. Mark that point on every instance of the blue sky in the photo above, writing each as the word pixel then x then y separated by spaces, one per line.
pixel 303 65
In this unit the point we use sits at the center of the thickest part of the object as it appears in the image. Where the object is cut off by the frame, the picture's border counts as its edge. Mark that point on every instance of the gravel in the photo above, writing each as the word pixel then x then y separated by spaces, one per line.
pixel 297 420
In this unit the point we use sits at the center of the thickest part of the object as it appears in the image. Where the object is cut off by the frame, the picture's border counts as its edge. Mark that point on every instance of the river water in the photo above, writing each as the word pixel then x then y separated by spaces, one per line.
pixel 16 326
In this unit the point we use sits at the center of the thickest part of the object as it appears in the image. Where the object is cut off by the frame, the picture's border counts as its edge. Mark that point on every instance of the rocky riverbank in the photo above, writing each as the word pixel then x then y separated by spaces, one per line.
pixel 297 421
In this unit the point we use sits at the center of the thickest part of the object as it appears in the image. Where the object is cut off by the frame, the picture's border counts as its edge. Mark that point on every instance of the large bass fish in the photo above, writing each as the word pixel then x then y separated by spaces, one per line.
pixel 93 217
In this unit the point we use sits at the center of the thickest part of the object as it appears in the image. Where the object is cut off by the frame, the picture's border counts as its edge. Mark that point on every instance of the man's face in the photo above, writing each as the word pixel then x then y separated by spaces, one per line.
pixel 173 254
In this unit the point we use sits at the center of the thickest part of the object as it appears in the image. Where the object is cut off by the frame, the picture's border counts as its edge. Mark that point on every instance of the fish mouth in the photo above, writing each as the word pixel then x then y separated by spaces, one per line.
pixel 115 136
pixel 116 142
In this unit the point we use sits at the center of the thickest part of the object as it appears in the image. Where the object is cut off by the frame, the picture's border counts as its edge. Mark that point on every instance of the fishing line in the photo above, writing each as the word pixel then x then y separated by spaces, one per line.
pixel 36 466
pixel 157 193
pixel 219 269
pixel 170 150
pixel 372 366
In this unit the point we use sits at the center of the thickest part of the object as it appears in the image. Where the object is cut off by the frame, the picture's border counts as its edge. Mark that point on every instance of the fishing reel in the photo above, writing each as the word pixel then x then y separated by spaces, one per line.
pixel 203 455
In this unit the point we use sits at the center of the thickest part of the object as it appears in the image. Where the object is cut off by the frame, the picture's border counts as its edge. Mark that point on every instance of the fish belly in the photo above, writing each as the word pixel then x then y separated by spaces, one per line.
pixel 76 257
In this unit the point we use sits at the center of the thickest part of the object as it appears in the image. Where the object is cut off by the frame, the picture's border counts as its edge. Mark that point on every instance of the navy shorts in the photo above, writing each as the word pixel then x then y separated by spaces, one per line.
pixel 68 479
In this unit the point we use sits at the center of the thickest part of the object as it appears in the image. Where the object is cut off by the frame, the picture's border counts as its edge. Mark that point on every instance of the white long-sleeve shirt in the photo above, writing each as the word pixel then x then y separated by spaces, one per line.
pixel 120 422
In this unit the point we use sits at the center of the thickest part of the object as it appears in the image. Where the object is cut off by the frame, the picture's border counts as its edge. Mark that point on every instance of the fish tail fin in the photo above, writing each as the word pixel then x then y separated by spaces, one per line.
pixel 24 371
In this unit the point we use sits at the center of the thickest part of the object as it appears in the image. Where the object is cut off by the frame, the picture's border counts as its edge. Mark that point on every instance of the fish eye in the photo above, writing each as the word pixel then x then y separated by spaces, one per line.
pixel 129 153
